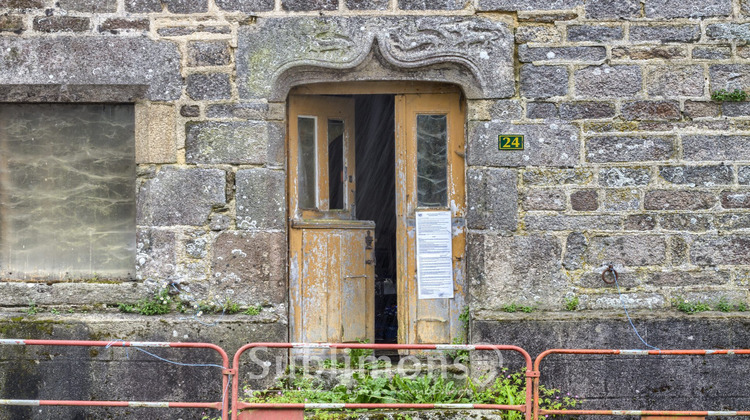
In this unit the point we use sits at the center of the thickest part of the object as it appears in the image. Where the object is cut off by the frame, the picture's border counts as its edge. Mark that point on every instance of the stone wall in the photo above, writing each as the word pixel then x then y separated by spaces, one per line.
pixel 628 161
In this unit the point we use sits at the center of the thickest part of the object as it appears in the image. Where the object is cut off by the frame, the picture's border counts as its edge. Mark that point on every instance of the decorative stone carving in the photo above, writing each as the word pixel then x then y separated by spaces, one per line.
pixel 473 52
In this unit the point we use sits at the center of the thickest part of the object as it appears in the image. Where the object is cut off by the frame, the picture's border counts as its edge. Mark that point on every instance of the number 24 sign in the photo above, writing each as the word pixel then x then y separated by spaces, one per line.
pixel 510 142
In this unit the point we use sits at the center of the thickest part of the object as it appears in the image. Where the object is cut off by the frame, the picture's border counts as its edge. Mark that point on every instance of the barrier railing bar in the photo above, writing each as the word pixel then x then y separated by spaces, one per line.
pixel 696 352
pixel 221 405
pixel 525 408
pixel 537 411
pixel 644 413
pixel 153 404
pixel 518 407
pixel 312 406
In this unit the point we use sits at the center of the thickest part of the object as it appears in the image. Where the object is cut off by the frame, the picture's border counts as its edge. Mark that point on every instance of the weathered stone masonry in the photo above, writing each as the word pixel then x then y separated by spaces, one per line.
pixel 628 162
pixel 635 164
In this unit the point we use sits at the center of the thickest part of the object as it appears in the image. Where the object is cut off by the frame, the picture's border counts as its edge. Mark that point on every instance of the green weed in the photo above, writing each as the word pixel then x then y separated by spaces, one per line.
pixel 458 356
pixel 428 389
pixel 301 390
pixel 722 95
pixel 370 390
pixel 571 303
pixel 507 389
pixel 683 305
pixel 465 318
pixel 461 356
pixel 231 308
pixel 159 304
pixel 253 310
pixel 183 306
pixel 333 364
pixel 32 309
pixel 364 358
pixel 513 307
pixel 510 389
pixel 358 355
pixel 723 305
pixel 206 308
pixel 228 308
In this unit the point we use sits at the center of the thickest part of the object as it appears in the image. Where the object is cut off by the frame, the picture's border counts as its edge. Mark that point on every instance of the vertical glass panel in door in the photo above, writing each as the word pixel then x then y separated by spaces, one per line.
pixel 336 189
pixel 432 161
pixel 307 180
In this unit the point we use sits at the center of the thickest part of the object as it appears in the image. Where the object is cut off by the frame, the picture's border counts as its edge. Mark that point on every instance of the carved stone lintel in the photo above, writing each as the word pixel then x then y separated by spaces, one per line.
pixel 475 53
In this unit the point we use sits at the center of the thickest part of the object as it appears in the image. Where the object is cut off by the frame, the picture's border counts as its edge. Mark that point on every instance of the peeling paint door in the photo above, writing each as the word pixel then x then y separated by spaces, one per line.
pixel 331 265
pixel 430 176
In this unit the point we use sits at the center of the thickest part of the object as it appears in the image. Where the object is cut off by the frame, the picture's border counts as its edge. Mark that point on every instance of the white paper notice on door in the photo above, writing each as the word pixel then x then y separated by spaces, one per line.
pixel 434 255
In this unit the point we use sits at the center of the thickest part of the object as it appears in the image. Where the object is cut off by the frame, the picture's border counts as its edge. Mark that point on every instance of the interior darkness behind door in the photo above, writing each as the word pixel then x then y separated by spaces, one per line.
pixel 375 200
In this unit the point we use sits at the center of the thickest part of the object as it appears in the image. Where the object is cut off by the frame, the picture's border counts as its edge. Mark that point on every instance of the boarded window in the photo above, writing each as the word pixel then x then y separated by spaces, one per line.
pixel 67 191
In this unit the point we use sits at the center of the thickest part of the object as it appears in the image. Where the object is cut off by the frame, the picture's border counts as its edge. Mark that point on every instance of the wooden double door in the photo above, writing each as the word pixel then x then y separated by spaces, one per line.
pixel 331 251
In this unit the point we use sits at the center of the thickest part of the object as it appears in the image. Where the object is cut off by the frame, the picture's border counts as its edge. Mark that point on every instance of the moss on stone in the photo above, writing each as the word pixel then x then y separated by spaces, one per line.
pixel 22 327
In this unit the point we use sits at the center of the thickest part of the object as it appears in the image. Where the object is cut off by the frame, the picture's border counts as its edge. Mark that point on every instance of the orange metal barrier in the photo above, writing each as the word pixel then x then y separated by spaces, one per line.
pixel 289 409
pixel 533 374
pixel 220 405
pixel 645 413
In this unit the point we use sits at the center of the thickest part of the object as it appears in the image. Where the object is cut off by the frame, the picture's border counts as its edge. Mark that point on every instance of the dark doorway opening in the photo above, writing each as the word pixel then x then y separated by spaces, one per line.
pixel 376 200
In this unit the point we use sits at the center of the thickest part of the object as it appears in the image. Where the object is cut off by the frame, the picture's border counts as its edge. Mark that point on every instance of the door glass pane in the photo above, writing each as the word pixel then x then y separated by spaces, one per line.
pixel 307 180
pixel 336 164
pixel 432 161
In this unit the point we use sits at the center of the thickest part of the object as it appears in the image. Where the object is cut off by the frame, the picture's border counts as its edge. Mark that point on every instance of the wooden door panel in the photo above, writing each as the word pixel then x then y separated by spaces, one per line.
pixel 354 288
pixel 337 300
pixel 333 259
pixel 315 287
pixel 429 320
pixel 434 320
pixel 331 284
pixel 354 323
pixel 429 331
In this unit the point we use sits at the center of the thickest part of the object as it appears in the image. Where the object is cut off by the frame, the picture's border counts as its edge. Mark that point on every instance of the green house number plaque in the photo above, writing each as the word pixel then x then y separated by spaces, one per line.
pixel 510 142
